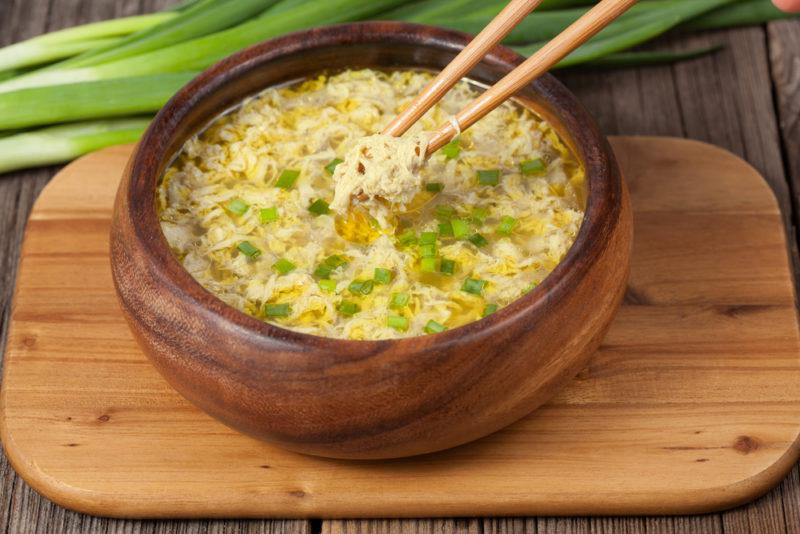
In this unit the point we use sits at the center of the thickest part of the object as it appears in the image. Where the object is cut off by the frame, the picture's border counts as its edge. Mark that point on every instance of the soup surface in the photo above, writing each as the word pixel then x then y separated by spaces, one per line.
pixel 245 209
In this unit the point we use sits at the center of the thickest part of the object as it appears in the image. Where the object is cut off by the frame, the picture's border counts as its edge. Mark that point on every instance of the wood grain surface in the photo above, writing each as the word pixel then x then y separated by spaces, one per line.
pixel 726 99
pixel 691 404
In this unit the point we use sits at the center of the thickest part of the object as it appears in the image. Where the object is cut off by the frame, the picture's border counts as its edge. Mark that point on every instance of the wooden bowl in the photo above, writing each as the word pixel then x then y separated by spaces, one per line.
pixel 365 399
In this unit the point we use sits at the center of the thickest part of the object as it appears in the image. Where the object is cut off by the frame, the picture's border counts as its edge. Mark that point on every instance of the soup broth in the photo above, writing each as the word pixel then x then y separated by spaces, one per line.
pixel 245 209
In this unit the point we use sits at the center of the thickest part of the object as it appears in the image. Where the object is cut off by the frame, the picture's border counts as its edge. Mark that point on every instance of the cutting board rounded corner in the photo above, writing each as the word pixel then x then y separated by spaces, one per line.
pixel 30 449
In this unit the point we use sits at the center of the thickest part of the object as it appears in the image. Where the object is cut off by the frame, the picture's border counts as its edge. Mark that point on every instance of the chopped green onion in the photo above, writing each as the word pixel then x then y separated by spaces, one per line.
pixel 335 261
pixel 479 215
pixel 473 286
pixel 247 248
pixel 383 276
pixel 460 228
pixel 348 308
pixel 238 206
pixel 445 229
pixel 319 207
pixel 434 187
pixel 322 271
pixel 452 149
pixel 444 213
pixel 428 264
pixel 427 238
pixel 489 177
pixel 327 285
pixel 277 310
pixel 330 167
pixel 409 237
pixel 447 267
pixel 489 309
pixel 398 300
pixel 427 250
pixel 397 322
pixel 478 240
pixel 361 287
pixel 533 166
pixel 287 179
pixel 284 266
pixel 432 327
pixel 269 215
pixel 507 225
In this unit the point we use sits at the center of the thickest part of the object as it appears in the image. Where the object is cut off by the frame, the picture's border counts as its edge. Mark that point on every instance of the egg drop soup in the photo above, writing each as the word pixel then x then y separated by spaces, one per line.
pixel 245 208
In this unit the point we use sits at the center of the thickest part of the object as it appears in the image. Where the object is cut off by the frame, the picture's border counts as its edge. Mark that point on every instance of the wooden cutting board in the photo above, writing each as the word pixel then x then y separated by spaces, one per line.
pixel 692 403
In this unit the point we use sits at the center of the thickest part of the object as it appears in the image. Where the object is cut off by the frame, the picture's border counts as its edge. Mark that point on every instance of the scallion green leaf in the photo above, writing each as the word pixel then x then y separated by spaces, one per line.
pixel 397 322
pixel 428 264
pixel 432 327
pixel 478 240
pixel 268 215
pixel 319 207
pixel 238 206
pixel 473 286
pixel 533 166
pixel 489 177
pixel 452 149
pixel 287 178
pixel 331 167
pixel 383 275
pixel 348 308
pixel 479 215
pixel 409 237
pixel 427 238
pixel 247 248
pixel 445 229
pixel 427 251
pixel 507 225
pixel 489 309
pixel 327 285
pixel 399 300
pixel 460 228
pixel 361 287
pixel 284 266
pixel 277 310
pixel 447 266
pixel 434 187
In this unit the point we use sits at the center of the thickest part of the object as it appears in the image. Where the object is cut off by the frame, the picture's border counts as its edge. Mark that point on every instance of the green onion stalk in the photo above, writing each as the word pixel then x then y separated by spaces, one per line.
pixel 63 143
pixel 66 43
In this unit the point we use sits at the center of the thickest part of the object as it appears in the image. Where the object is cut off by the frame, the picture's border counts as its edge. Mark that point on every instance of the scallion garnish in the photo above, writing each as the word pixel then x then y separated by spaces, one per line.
pixel 287 179
pixel 434 187
pixel 489 177
pixel 268 215
pixel 447 266
pixel 397 322
pixel 330 167
pixel 533 166
pixel 319 207
pixel 507 225
pixel 427 238
pixel 452 149
pixel 284 266
pixel 427 250
pixel 398 300
pixel 489 309
pixel 328 265
pixel 478 240
pixel 445 229
pixel 247 248
pixel 277 310
pixel 361 287
pixel 460 228
pixel 444 213
pixel 382 275
pixel 409 237
pixel 473 286
pixel 238 206
pixel 348 308
pixel 479 215
pixel 432 327
pixel 327 285
pixel 428 264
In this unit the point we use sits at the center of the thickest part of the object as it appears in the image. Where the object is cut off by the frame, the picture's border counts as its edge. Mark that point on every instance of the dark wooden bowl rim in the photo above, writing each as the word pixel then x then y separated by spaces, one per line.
pixel 146 167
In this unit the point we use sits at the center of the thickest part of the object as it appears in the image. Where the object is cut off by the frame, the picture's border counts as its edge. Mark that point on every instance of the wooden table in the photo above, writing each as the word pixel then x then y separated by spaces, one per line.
pixel 745 98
